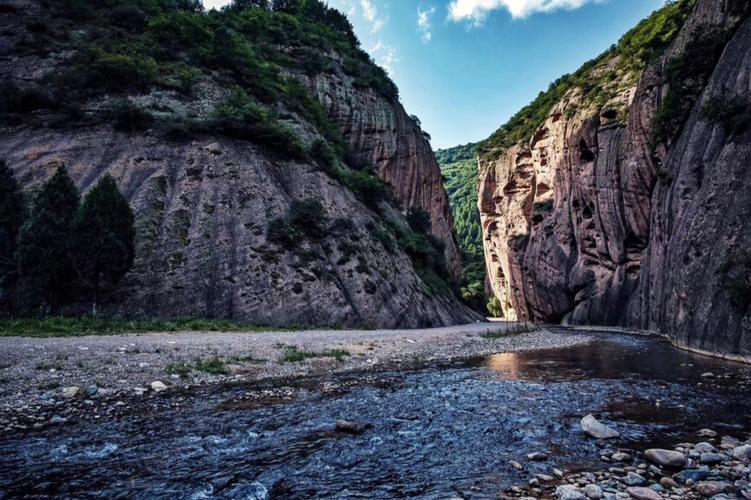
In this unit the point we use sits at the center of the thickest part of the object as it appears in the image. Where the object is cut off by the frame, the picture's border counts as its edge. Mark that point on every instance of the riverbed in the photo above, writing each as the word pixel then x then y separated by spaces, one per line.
pixel 429 432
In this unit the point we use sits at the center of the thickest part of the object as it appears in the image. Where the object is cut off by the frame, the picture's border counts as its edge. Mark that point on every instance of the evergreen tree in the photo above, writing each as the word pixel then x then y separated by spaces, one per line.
pixel 44 240
pixel 104 236
pixel 11 218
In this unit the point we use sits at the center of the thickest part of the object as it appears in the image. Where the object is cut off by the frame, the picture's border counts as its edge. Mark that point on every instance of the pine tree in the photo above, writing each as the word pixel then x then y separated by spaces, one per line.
pixel 104 237
pixel 43 252
pixel 11 218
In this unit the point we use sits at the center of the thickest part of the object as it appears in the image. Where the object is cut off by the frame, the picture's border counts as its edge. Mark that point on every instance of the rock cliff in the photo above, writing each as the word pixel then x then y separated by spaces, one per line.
pixel 631 208
pixel 206 202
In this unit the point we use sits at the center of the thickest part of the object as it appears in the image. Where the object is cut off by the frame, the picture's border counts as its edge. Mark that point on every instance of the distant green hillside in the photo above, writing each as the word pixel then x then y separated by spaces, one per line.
pixel 460 174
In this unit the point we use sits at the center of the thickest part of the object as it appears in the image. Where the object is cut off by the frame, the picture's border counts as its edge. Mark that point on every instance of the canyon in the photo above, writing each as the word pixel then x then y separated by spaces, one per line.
pixel 597 220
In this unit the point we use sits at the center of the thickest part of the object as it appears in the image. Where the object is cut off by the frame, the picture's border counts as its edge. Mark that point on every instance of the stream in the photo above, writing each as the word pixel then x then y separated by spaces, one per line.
pixel 436 433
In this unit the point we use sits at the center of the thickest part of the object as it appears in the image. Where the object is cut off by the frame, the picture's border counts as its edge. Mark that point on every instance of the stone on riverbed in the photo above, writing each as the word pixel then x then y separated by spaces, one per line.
pixel 641 493
pixel 593 492
pixel 666 458
pixel 634 479
pixel 711 488
pixel 537 456
pixel 158 386
pixel 349 427
pixel 568 492
pixel 742 452
pixel 70 392
pixel 596 429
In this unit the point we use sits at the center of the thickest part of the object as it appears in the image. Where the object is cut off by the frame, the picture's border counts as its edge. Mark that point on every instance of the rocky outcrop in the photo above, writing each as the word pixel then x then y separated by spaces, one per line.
pixel 588 223
pixel 204 204
pixel 380 131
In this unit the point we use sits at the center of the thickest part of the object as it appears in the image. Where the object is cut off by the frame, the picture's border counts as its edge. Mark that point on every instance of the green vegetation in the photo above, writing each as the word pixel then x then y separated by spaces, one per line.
pixel 305 219
pixel 736 278
pixel 292 354
pixel 460 175
pixel 63 248
pixel 45 240
pixel 734 114
pixel 494 307
pixel 11 219
pixel 214 365
pixel 124 48
pixel 516 329
pixel 58 326
pixel 687 74
pixel 104 242
pixel 600 79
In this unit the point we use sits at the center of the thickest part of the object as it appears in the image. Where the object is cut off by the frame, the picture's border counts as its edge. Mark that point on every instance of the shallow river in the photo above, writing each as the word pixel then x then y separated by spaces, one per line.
pixel 435 433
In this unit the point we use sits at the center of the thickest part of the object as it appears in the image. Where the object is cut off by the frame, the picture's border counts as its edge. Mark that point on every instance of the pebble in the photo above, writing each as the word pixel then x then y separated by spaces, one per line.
pixel 707 433
pixel 641 493
pixel 158 386
pixel 350 427
pixel 516 465
pixel 537 456
pixel 70 392
pixel 666 458
pixel 742 452
pixel 620 457
pixel 593 491
pixel 57 420
pixel 634 479
pixel 568 492
pixel 92 390
pixel 711 488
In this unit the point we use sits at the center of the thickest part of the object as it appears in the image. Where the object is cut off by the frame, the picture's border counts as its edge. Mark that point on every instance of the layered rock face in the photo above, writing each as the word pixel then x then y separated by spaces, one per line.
pixel 588 223
pixel 380 131
pixel 204 204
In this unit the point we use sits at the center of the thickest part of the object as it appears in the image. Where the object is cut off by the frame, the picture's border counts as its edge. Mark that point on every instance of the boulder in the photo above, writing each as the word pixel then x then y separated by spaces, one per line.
pixel 158 386
pixel 350 427
pixel 70 392
pixel 593 491
pixel 711 488
pixel 596 429
pixel 742 452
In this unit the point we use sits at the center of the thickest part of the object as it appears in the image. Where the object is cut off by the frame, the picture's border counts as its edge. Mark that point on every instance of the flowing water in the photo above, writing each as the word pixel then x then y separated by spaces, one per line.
pixel 435 433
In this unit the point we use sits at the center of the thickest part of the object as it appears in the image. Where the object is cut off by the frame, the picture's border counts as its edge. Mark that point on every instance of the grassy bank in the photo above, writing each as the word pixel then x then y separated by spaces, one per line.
pixel 58 326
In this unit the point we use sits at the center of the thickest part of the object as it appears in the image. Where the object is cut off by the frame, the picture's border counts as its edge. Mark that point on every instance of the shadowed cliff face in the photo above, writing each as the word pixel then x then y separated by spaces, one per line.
pixel 204 204
pixel 588 223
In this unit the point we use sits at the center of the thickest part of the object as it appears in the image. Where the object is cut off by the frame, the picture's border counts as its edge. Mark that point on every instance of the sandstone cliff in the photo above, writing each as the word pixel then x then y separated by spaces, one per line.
pixel 599 219
pixel 205 202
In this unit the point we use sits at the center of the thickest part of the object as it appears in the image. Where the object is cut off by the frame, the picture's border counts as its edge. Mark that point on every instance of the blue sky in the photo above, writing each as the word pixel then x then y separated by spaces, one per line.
pixel 465 66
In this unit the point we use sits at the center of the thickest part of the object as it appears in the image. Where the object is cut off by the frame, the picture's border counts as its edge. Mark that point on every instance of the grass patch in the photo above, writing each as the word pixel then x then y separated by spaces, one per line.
pixel 59 326
pixel 292 354
pixel 509 332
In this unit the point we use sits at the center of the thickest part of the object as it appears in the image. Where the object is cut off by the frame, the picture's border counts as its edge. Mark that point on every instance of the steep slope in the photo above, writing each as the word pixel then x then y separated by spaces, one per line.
pixel 243 141
pixel 619 196
pixel 460 177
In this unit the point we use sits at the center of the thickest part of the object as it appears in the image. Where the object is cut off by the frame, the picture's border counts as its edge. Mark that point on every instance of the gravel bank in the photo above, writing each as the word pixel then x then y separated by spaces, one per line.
pixel 40 377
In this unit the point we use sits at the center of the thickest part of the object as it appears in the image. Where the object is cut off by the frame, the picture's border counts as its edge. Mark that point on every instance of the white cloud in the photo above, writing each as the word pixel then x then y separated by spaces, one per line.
pixel 423 23
pixel 370 13
pixel 477 10
pixel 384 55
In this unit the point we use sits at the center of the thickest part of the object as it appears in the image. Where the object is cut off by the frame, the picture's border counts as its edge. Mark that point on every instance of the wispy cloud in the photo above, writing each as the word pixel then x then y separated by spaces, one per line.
pixel 477 10
pixel 371 14
pixel 384 55
pixel 423 23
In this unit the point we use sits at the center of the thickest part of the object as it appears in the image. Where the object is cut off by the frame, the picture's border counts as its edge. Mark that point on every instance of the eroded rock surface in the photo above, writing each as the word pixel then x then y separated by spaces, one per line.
pixel 587 224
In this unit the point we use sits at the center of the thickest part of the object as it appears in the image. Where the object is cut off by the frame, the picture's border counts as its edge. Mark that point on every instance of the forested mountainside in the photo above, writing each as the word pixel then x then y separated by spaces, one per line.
pixel 620 195
pixel 273 173
pixel 460 177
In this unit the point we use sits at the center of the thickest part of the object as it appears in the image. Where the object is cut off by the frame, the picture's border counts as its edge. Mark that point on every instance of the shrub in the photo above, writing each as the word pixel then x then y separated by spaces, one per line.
pixel 96 70
pixel 309 217
pixel 305 218
pixel 494 308
pixel 129 116
pixel 733 114
pixel 686 74
pixel 241 117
